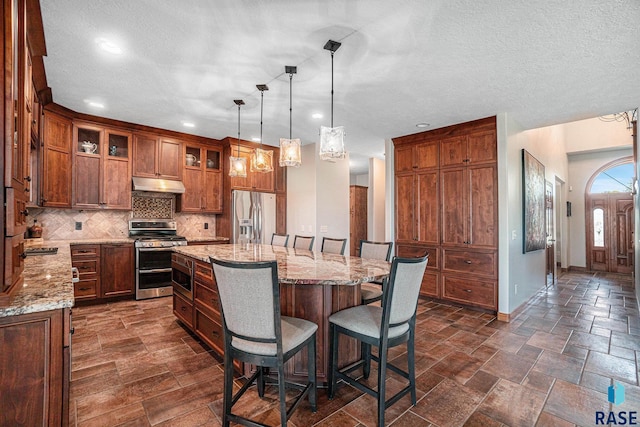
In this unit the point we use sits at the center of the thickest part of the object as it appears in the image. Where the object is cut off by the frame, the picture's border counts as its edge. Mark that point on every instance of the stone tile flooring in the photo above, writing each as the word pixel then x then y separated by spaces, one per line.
pixel 134 365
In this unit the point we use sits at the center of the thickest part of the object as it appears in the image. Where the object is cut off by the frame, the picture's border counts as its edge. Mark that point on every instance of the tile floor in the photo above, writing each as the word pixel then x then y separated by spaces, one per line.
pixel 134 365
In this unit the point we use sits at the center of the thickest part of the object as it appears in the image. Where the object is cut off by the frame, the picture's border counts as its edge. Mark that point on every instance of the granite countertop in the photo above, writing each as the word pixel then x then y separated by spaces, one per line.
pixel 297 266
pixel 47 282
pixel 206 239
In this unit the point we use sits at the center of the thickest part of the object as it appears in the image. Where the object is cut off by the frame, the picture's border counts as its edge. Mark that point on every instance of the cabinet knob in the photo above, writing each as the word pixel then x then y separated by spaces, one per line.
pixel 23 255
pixel 468 261
pixel 25 212
pixel 72 331
pixel 183 308
pixel 468 291
pixel 27 178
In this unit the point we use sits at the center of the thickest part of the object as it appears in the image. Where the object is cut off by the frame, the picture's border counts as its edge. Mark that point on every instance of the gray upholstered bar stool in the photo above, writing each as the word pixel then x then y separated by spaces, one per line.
pixel 256 333
pixel 303 242
pixel 333 246
pixel 383 327
pixel 374 250
pixel 279 239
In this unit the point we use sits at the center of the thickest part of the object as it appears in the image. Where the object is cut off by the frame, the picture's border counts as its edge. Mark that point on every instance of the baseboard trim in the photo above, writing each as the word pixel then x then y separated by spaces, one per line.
pixel 508 317
pixel 578 269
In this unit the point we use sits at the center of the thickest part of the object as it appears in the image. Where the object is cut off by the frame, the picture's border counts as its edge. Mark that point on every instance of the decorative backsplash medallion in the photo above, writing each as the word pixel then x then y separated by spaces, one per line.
pixel 152 205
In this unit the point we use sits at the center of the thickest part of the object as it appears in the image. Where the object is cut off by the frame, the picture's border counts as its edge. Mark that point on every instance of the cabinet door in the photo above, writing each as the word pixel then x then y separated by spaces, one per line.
pixel 426 205
pixel 404 158
pixel 13 261
pixel 116 190
pixel 86 191
pixel 453 151
pixel 455 212
pixel 191 199
pixel 170 159
pixel 144 155
pixel 16 212
pixel 405 219
pixel 56 176
pixel 427 155
pixel 483 201
pixel 263 181
pixel 117 270
pixel 280 178
pixel 240 183
pixel 482 147
pixel 281 213
pixel 212 191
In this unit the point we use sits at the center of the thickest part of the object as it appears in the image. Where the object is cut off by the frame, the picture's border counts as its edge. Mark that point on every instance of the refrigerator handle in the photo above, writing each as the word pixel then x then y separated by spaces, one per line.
pixel 259 221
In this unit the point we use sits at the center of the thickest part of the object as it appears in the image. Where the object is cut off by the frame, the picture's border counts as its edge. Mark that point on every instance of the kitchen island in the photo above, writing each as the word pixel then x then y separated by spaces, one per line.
pixel 313 286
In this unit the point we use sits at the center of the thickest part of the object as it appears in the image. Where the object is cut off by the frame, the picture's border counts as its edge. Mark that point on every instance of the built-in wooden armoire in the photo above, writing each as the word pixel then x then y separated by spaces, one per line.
pixel 446 203
pixel 358 211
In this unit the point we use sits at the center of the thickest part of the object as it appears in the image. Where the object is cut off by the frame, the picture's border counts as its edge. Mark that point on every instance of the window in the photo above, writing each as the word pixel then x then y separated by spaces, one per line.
pixel 616 179
pixel 598 227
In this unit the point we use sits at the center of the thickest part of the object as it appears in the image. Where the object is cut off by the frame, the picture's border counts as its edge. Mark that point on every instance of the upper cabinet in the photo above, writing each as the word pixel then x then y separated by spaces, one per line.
pixel 202 178
pixel 56 161
pixel 254 181
pixel 156 157
pixel 102 167
pixel 464 150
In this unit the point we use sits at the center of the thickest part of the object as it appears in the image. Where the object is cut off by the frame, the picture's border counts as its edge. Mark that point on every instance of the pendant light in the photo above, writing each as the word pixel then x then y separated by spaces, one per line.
pixel 290 148
pixel 332 138
pixel 238 165
pixel 261 160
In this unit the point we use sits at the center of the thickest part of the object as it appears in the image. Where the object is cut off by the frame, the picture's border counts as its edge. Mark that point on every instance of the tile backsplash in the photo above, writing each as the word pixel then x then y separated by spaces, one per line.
pixel 60 224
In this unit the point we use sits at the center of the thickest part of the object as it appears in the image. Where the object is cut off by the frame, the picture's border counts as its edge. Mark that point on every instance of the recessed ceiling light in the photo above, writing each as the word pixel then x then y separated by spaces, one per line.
pixel 423 125
pixel 94 104
pixel 255 139
pixel 108 46
pixel 317 115
pixel 188 124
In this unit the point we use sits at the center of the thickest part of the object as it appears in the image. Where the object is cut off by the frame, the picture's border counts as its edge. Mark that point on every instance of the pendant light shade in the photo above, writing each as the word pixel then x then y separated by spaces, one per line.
pixel 238 165
pixel 290 154
pixel 261 160
pixel 332 138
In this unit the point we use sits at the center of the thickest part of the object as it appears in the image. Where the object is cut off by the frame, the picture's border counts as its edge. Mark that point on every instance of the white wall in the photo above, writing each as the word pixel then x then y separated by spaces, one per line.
pixel 318 197
pixel 361 179
pixel 581 167
pixel 525 270
pixel 376 200
pixel 595 134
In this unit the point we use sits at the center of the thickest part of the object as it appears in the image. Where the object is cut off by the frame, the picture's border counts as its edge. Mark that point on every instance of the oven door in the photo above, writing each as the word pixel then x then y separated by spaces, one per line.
pixel 153 272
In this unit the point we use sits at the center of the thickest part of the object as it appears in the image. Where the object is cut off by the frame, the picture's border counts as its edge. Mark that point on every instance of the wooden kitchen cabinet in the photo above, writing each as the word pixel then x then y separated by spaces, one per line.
pixel 202 178
pixel 102 171
pixel 358 217
pixel 117 270
pixel 254 181
pixel 56 161
pixel 105 271
pixel 446 204
pixel 155 156
pixel 35 366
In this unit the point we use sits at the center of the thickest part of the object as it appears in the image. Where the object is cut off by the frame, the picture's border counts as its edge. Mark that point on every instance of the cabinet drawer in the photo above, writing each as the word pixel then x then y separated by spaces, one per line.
pixel 85 289
pixel 85 251
pixel 86 267
pixel 410 251
pixel 465 290
pixel 210 331
pixel 483 263
pixel 204 274
pixel 208 298
pixel 183 310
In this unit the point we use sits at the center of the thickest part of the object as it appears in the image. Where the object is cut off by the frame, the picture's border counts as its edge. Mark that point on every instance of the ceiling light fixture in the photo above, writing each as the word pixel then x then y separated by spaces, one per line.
pixel 332 138
pixel 108 46
pixel 188 124
pixel 423 125
pixel 261 160
pixel 94 104
pixel 238 165
pixel 290 148
pixel 317 116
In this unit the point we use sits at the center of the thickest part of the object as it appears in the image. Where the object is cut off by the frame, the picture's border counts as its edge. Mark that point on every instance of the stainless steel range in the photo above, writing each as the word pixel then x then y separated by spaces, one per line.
pixel 155 239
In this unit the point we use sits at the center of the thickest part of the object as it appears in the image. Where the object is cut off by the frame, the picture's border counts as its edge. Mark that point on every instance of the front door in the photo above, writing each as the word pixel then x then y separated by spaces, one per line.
pixel 610 232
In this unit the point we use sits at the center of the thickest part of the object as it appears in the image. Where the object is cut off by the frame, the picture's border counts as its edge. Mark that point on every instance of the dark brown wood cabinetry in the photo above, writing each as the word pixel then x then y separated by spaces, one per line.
pixel 102 167
pixel 105 271
pixel 202 178
pixel 358 217
pixel 446 204
pixel 35 366
pixel 156 156
pixel 56 161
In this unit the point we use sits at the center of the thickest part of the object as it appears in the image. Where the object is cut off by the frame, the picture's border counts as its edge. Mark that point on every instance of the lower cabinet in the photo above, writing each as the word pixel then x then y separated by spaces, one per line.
pixel 35 366
pixel 105 271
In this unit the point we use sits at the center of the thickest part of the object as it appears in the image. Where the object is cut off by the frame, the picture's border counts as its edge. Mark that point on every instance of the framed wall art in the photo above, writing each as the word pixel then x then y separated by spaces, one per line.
pixel 533 186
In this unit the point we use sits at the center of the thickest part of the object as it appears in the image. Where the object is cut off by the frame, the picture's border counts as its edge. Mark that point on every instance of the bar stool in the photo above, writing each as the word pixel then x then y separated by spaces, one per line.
pixel 279 239
pixel 374 250
pixel 303 242
pixel 384 327
pixel 333 246
pixel 256 333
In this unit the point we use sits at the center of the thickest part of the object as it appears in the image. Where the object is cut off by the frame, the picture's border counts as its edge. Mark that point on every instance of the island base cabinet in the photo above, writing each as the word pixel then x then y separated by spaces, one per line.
pixel 35 354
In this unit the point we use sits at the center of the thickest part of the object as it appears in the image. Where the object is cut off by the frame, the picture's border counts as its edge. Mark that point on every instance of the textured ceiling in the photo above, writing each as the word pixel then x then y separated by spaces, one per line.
pixel 401 62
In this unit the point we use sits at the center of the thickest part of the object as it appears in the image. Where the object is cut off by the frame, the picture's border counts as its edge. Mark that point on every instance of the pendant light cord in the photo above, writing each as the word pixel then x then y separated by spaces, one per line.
pixel 290 102
pixel 238 144
pixel 261 101
pixel 332 88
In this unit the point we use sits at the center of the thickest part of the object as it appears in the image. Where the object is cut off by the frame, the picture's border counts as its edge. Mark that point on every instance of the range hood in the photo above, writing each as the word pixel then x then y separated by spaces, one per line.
pixel 157 185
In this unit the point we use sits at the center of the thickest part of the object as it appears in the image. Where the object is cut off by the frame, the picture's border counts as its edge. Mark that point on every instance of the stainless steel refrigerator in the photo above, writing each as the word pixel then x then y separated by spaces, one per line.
pixel 254 217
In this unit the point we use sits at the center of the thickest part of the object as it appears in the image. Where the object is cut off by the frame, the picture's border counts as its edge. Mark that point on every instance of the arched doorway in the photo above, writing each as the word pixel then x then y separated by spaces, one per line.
pixel 609 218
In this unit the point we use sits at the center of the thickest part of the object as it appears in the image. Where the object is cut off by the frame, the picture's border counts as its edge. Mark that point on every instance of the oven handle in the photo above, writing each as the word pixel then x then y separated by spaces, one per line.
pixel 170 248
pixel 155 270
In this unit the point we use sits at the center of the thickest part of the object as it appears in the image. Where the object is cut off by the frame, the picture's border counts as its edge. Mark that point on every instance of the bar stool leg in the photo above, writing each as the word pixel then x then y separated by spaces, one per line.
pixel 311 363
pixel 333 359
